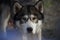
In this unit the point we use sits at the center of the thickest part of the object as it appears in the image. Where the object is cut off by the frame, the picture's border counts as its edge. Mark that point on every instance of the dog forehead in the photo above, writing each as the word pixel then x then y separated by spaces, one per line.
pixel 29 9
pixel 29 16
pixel 32 15
pixel 26 16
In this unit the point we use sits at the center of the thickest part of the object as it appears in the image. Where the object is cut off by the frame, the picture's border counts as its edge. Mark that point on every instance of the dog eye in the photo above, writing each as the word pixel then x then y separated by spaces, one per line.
pixel 33 18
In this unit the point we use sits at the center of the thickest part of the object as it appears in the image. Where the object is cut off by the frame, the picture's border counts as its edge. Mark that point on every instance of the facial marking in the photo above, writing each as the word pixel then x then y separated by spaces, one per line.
pixel 30 19
pixel 34 18
pixel 24 18
pixel 33 25
pixel 28 24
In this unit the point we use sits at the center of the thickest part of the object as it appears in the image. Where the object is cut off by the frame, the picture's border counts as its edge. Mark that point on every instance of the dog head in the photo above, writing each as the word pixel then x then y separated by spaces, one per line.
pixel 29 17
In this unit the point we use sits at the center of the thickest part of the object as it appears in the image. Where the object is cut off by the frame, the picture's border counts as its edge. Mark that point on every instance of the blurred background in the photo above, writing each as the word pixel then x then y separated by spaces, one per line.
pixel 51 25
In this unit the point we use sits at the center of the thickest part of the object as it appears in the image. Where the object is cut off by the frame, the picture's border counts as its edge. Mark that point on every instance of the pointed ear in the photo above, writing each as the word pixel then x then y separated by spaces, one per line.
pixel 39 6
pixel 16 7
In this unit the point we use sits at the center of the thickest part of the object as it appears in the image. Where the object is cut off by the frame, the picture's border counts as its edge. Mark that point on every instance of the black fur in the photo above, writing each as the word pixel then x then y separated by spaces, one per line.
pixel 28 10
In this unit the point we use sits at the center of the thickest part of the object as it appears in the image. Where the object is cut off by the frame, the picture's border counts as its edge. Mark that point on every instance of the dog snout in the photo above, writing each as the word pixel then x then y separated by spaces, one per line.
pixel 29 30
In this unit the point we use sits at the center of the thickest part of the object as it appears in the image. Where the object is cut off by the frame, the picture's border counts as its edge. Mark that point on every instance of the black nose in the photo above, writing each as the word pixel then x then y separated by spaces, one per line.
pixel 29 29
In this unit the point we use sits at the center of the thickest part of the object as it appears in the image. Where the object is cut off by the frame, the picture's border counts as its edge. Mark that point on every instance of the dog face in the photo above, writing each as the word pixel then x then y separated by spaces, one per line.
pixel 29 18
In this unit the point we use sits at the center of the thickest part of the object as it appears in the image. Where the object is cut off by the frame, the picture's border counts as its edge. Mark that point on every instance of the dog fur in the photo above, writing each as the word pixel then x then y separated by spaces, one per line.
pixel 16 9
pixel 23 19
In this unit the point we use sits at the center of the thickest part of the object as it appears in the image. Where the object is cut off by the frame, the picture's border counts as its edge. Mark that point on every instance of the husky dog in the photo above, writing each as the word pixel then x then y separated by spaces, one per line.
pixel 28 19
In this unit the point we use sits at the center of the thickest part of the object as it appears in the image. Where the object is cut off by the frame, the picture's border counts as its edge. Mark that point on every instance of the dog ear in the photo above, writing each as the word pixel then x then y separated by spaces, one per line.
pixel 16 7
pixel 39 6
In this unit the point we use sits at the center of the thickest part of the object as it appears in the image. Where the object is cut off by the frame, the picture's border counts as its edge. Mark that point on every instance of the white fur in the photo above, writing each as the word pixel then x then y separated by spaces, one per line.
pixel 26 16
pixel 36 28
pixel 31 24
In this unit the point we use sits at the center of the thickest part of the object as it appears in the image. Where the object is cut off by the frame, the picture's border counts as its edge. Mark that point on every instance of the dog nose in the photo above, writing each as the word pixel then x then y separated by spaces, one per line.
pixel 29 29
